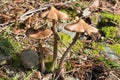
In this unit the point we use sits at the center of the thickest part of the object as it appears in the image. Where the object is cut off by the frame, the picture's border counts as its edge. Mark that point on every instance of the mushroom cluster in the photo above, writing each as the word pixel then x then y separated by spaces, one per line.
pixel 54 15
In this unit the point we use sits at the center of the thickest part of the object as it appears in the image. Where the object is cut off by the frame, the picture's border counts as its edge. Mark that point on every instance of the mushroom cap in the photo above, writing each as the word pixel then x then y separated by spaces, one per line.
pixel 38 34
pixel 81 26
pixel 91 29
pixel 54 14
pixel 76 27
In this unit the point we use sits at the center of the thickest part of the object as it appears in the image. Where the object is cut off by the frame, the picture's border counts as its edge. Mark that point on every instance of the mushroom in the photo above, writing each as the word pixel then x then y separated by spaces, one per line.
pixel 17 11
pixel 40 34
pixel 54 15
pixel 80 27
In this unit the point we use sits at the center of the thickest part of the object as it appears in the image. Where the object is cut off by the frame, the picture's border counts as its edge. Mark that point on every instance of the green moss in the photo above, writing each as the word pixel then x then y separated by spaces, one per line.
pixel 68 65
pixel 97 47
pixel 3 78
pixel 70 12
pixel 101 46
pixel 112 17
pixel 48 66
pixel 79 4
pixel 109 63
pixel 94 44
pixel 116 47
pixel 9 44
pixel 87 51
pixel 109 19
pixel 77 46
pixel 10 47
pixel 109 32
pixel 66 39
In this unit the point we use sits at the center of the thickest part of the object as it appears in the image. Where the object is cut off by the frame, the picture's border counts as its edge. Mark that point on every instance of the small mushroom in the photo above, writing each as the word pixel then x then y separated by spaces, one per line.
pixel 17 11
pixel 39 34
pixel 54 15
pixel 80 27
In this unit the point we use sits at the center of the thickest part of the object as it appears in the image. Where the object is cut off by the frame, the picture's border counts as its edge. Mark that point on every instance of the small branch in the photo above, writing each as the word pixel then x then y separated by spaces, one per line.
pixel 115 23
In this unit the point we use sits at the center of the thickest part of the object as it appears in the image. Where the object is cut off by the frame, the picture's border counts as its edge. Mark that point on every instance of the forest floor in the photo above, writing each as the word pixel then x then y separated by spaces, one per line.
pixel 91 58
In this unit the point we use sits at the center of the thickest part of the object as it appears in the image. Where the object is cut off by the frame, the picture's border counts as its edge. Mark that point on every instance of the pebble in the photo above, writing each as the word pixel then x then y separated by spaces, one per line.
pixel 29 59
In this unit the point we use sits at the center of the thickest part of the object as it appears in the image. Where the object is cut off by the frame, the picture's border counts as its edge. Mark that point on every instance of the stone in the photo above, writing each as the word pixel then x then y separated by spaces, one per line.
pixel 111 54
pixel 29 59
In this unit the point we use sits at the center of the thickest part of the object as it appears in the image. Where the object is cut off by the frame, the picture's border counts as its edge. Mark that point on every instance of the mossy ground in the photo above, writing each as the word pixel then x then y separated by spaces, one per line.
pixel 97 47
pixel 10 47
pixel 107 24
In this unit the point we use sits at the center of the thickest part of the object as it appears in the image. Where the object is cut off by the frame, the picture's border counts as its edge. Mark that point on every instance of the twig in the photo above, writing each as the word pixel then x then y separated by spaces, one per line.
pixel 73 70
pixel 114 75
pixel 115 23
pixel 7 23
pixel 31 12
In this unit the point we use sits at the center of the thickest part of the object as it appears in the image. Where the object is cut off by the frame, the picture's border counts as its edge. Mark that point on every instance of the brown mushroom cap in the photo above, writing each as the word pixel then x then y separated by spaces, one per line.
pixel 81 26
pixel 55 14
pixel 77 27
pixel 41 34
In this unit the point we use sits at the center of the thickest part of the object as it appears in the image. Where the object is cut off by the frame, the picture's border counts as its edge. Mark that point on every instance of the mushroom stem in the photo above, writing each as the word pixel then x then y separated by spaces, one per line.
pixel 55 45
pixel 42 64
pixel 67 51
pixel 16 20
pixel 40 49
pixel 40 45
